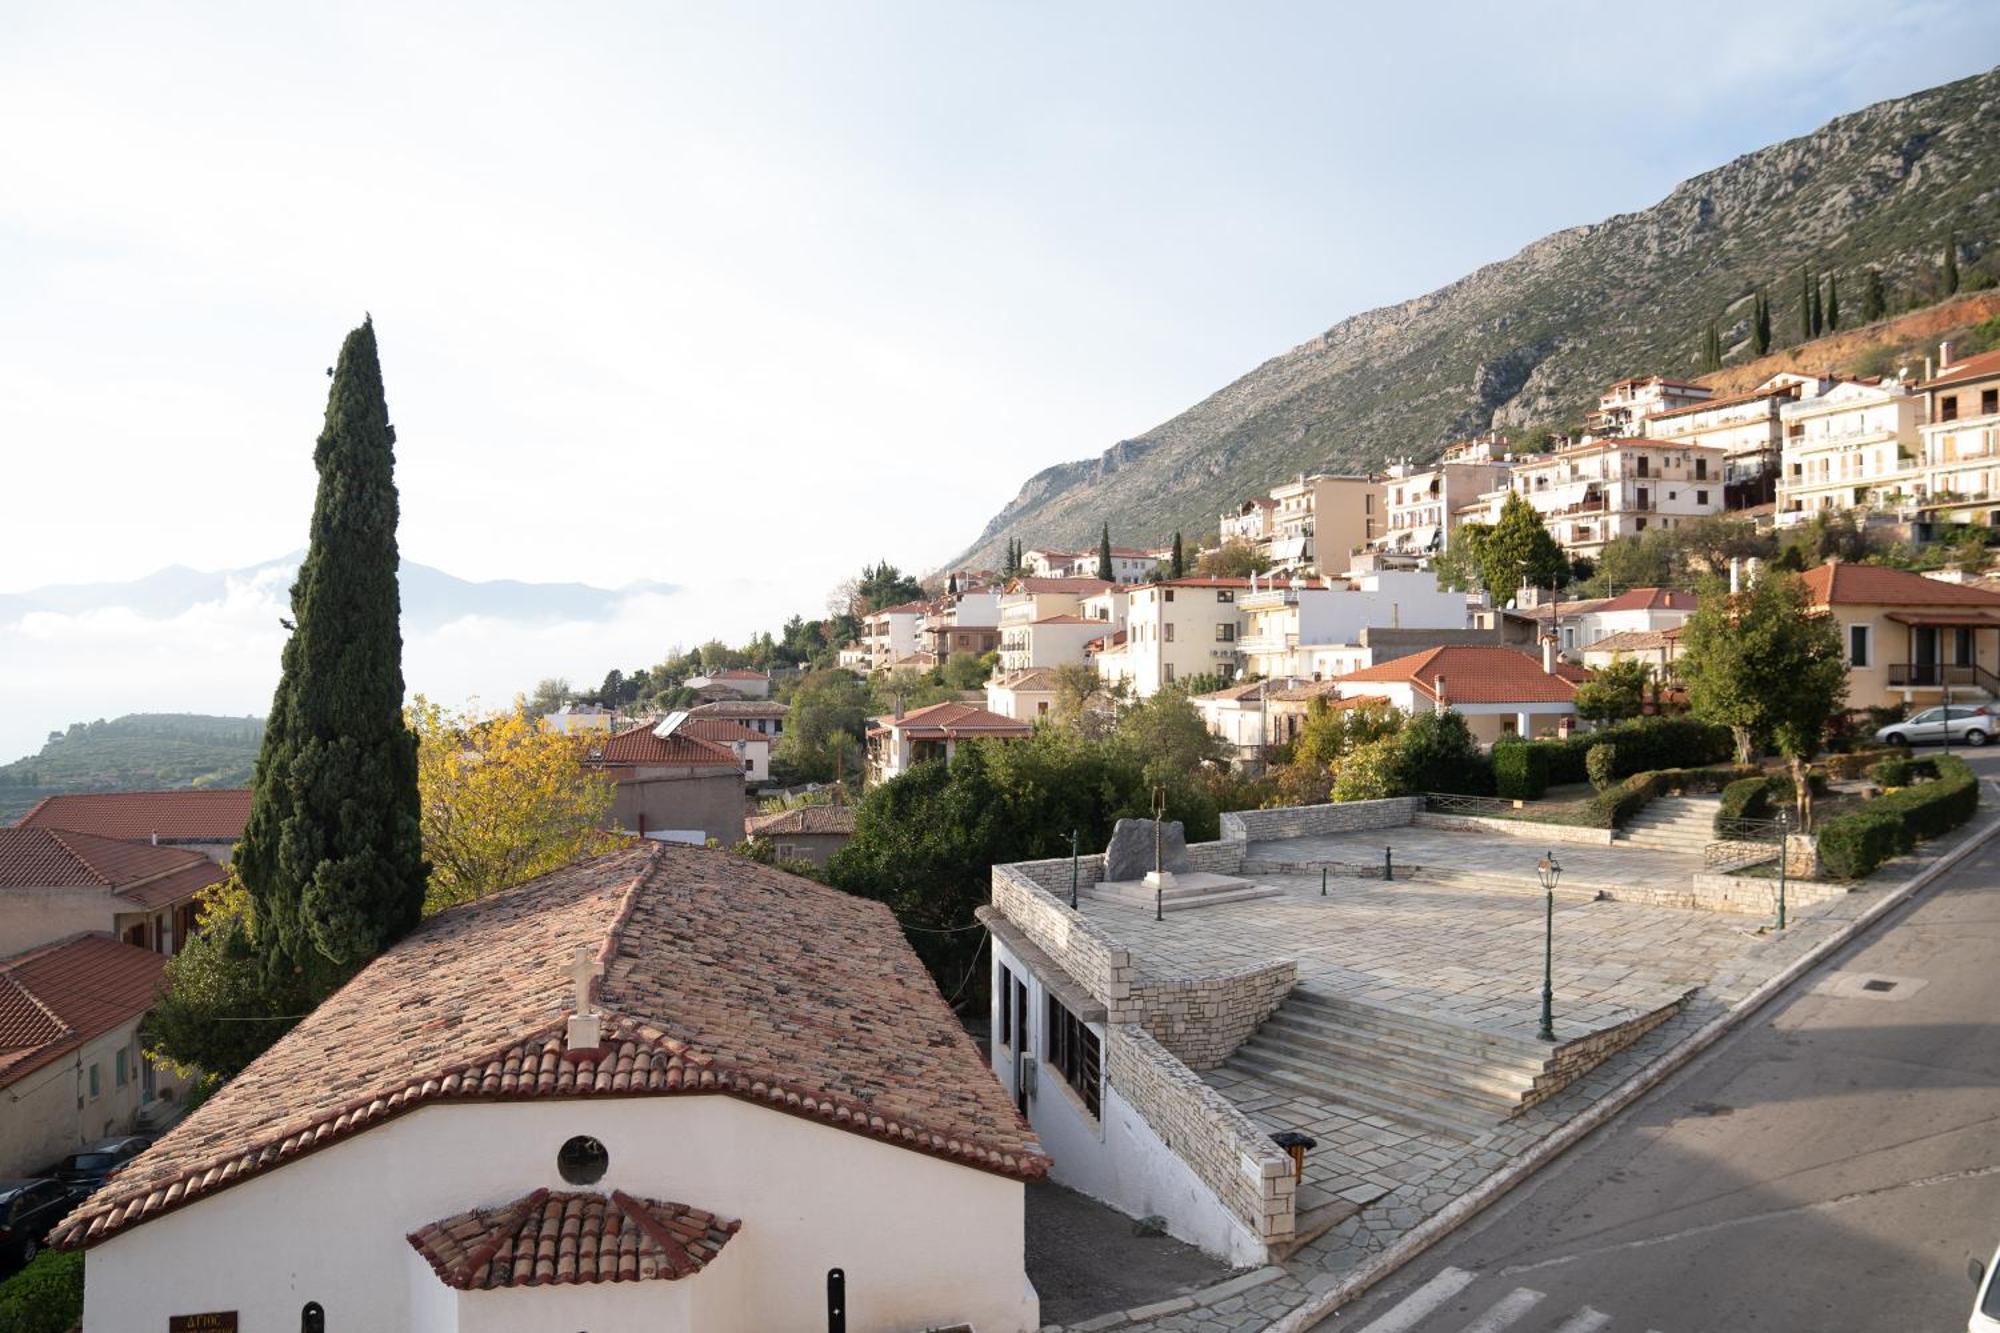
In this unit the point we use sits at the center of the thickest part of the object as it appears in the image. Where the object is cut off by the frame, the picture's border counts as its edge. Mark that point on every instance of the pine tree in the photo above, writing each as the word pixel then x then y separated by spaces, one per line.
pixel 1950 263
pixel 1832 303
pixel 1177 563
pixel 1818 315
pixel 1104 553
pixel 332 851
pixel 1760 325
pixel 1874 301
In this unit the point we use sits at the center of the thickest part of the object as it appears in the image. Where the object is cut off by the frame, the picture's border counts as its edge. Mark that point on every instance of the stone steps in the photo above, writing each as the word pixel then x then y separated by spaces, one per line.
pixel 1358 1046
pixel 1419 1111
pixel 1672 824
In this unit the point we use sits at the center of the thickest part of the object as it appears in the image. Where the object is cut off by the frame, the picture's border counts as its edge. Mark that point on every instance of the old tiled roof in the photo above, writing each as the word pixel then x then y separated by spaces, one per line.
pixel 188 814
pixel 56 998
pixel 1972 368
pixel 1876 585
pixel 720 730
pixel 723 977
pixel 950 721
pixel 1476 675
pixel 829 819
pixel 1066 620
pixel 45 858
pixel 551 1238
pixel 737 673
pixel 900 609
pixel 640 745
pixel 1648 599
pixel 1237 693
pixel 1709 404
pixel 1632 641
pixel 742 708
pixel 1030 678
pixel 1033 584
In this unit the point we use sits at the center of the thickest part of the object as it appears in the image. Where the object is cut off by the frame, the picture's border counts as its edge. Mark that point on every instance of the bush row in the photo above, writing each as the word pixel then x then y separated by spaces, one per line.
pixel 46 1296
pixel 1612 807
pixel 1852 846
pixel 1761 797
pixel 1641 745
pixel 1521 771
pixel 1901 770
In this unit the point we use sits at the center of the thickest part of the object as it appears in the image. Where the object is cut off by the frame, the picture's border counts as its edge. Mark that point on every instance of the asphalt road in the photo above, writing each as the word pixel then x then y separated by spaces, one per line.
pixel 1831 1165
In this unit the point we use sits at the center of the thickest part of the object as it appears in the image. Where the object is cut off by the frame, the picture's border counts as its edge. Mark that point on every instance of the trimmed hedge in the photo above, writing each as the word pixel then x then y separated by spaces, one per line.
pixel 1644 744
pixel 1520 771
pixel 1856 762
pixel 1900 770
pixel 46 1296
pixel 1745 798
pixel 1854 845
pixel 1612 807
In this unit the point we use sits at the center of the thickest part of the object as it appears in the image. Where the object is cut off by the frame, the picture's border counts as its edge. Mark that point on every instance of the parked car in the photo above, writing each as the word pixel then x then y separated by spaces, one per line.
pixel 28 1210
pixel 1969 724
pixel 84 1172
pixel 1985 1297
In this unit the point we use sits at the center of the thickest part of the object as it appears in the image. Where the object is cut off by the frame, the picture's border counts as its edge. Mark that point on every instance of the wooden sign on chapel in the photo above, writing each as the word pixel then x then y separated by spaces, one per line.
pixel 216 1321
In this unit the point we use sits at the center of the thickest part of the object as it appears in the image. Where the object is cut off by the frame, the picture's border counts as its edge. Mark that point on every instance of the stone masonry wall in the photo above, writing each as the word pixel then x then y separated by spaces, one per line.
pixel 1305 821
pixel 1572 1061
pixel 1536 830
pixel 1092 958
pixel 1249 1174
pixel 1744 895
pixel 1202 1021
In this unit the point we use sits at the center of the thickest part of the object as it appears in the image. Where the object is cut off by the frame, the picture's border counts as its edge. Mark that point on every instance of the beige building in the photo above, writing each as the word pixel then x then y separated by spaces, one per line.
pixel 891 633
pixel 899 742
pixel 1420 505
pixel 1855 446
pixel 1908 637
pixel 55 883
pixel 1961 440
pixel 1048 642
pixel 1178 629
pixel 804 833
pixel 671 787
pixel 1746 427
pixel 1022 695
pixel 1317 522
pixel 1589 494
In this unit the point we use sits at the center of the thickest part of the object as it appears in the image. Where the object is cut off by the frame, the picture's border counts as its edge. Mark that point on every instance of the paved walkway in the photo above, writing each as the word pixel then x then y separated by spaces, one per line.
pixel 1497 854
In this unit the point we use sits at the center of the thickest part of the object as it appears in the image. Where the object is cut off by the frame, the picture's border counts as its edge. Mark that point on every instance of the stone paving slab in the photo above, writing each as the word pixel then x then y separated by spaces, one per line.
pixel 1489 853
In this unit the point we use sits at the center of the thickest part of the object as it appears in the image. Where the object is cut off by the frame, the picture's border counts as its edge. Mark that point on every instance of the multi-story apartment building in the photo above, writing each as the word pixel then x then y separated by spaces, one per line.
pixel 1291 629
pixel 1106 606
pixel 891 633
pixel 1961 439
pixel 966 623
pixel 1048 642
pixel 1853 446
pixel 1588 494
pixel 1179 628
pixel 1420 504
pixel 1030 599
pixel 1128 565
pixel 1318 521
pixel 1248 522
pixel 1045 562
pixel 1625 405
pixel 1746 427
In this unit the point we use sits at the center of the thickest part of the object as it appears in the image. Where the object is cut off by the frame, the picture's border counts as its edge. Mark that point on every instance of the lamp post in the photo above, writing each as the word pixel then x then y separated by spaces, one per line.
pixel 1550 870
pixel 1784 822
pixel 1072 869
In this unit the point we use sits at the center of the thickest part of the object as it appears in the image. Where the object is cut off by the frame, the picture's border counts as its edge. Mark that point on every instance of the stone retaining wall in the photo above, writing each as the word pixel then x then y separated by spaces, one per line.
pixel 1092 958
pixel 1572 1061
pixel 1745 895
pixel 1533 829
pixel 1250 1175
pixel 1305 821
pixel 1202 1021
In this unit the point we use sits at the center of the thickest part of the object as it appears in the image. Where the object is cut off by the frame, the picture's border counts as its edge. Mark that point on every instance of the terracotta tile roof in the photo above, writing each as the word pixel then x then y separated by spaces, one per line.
pixel 1194 581
pixel 1477 675
pixel 1547 610
pixel 738 673
pixel 1067 620
pixel 1030 678
pixel 189 814
pixel 1709 404
pixel 1972 368
pixel 741 708
pixel 950 721
pixel 641 745
pixel 723 977
pixel 62 995
pixel 900 609
pixel 1846 584
pixel 1649 599
pixel 721 731
pixel 1633 641
pixel 1060 585
pixel 46 858
pixel 554 1238
pixel 804 819
pixel 1238 692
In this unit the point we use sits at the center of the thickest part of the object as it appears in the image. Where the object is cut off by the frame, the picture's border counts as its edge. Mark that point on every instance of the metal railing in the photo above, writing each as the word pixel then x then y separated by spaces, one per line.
pixel 1450 803
pixel 1935 675
pixel 1741 843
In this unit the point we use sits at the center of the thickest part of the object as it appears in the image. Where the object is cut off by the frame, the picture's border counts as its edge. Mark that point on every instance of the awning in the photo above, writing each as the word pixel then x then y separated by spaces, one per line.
pixel 1972 619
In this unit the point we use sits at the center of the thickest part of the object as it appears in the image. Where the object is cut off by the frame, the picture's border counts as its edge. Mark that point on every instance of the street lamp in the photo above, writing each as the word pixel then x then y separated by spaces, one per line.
pixel 1550 870
pixel 1784 822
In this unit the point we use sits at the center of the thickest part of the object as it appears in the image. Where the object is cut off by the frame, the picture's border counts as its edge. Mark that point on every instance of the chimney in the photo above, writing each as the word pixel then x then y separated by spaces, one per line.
pixel 1443 705
pixel 1549 654
pixel 1944 356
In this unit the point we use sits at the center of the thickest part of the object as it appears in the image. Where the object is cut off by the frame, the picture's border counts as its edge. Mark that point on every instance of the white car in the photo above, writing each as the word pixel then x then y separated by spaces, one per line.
pixel 1985 1305
pixel 1970 724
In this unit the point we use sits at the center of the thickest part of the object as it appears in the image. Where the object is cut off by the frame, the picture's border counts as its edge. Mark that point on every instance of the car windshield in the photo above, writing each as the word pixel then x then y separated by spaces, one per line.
pixel 91 1161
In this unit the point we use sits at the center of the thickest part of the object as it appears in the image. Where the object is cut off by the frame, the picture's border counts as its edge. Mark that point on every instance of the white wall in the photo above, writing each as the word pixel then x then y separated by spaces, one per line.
pixel 30 918
pixel 923 1241
pixel 49 1113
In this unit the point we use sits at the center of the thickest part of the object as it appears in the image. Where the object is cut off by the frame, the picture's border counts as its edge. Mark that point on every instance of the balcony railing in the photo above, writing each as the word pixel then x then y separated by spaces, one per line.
pixel 1936 675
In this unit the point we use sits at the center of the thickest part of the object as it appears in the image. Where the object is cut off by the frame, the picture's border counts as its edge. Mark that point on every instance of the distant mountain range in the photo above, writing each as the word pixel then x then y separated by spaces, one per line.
pixel 1531 340
pixel 431 597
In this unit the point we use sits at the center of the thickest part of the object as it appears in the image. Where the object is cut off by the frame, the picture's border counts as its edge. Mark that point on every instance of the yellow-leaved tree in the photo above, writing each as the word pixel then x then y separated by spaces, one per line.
pixel 503 800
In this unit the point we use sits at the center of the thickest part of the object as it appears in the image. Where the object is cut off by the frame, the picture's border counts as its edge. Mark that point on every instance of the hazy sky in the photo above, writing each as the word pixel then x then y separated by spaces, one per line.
pixel 679 291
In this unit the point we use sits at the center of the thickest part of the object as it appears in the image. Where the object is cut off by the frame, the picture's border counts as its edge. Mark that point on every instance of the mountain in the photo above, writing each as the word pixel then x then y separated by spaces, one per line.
pixel 1530 341
pixel 136 752
pixel 430 596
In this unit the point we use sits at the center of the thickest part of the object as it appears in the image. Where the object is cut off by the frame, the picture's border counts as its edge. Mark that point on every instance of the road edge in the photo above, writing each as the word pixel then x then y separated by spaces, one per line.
pixel 1474 1201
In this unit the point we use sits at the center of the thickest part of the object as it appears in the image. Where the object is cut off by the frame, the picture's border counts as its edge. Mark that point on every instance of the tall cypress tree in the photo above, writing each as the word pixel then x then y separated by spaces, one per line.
pixel 1818 314
pixel 1760 325
pixel 1950 263
pixel 1177 565
pixel 1874 301
pixel 1104 553
pixel 1805 305
pixel 332 854
pixel 1711 347
pixel 1832 303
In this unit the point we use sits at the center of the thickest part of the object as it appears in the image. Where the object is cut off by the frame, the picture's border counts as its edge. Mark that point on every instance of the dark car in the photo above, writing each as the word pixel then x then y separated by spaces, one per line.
pixel 85 1171
pixel 28 1210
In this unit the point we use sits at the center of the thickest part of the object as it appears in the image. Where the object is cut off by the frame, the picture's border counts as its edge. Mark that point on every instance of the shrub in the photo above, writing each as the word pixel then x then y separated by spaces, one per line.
pixel 1436 752
pixel 1901 770
pixel 1520 771
pixel 46 1296
pixel 1854 845
pixel 1745 798
pixel 1645 743
pixel 1600 764
pixel 1613 807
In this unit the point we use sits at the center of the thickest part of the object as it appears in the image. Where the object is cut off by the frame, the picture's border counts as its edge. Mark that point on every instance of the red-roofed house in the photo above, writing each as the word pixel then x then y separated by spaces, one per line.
pixel 751 748
pixel 1499 691
pixel 898 743
pixel 1906 635
pixel 671 786
pixel 208 820
pixel 803 833
pixel 55 883
pixel 71 1070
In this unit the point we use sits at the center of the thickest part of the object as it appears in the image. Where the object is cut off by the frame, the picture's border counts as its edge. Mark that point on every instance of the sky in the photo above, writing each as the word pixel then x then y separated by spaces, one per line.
pixel 740 297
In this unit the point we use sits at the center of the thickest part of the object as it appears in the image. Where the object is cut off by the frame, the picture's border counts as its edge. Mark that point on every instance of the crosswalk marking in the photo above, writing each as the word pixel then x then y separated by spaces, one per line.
pixel 1505 1311
pixel 1410 1311
pixel 1585 1320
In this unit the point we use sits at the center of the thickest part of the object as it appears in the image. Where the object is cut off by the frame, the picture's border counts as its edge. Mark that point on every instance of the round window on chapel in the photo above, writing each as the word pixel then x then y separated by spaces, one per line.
pixel 583 1160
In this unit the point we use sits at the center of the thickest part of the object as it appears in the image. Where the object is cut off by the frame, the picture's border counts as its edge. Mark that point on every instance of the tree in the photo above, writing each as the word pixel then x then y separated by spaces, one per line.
pixel 1711 347
pixel 1767 666
pixel 1760 325
pixel 1642 560
pixel 1818 314
pixel 1950 263
pixel 1167 737
pixel 1615 692
pixel 881 585
pixel 826 725
pixel 551 693
pixel 1234 559
pixel 965 671
pixel 1707 546
pixel 1806 296
pixel 332 852
pixel 503 800
pixel 1832 302
pixel 216 1010
pixel 1326 738
pixel 1177 562
pixel 1104 567
pixel 1519 552
pixel 1874 301
pixel 1458 566
pixel 1436 752
pixel 1082 704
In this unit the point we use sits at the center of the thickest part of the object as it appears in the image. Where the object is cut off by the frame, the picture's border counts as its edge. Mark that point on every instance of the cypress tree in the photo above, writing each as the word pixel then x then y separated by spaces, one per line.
pixel 1805 306
pixel 1711 347
pixel 1104 553
pixel 1177 564
pixel 332 853
pixel 1832 303
pixel 1874 301
pixel 1950 263
pixel 1818 315
pixel 1760 325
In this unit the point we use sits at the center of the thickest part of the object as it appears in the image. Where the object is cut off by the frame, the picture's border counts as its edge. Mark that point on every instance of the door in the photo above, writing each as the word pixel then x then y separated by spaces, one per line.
pixel 1924 655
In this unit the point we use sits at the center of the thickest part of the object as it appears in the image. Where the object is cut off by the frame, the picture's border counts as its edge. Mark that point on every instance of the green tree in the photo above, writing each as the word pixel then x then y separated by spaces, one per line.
pixel 1641 560
pixel 217 1011
pixel 965 671
pixel 1874 301
pixel 1177 562
pixel 1711 347
pixel 551 693
pixel 1768 667
pixel 1818 313
pixel 1167 737
pixel 1806 296
pixel 826 726
pixel 1104 569
pixel 1950 263
pixel 1234 559
pixel 1458 567
pixel 1436 752
pixel 1614 692
pixel 1519 552
pixel 1760 325
pixel 1832 302
pixel 332 852
pixel 881 585
pixel 1326 738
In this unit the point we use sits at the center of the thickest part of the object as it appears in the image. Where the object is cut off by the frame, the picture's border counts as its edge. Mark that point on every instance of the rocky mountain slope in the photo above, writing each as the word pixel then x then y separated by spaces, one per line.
pixel 1531 340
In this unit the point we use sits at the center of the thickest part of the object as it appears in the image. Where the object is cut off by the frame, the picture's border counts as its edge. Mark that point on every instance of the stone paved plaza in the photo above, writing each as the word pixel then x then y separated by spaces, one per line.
pixel 1502 857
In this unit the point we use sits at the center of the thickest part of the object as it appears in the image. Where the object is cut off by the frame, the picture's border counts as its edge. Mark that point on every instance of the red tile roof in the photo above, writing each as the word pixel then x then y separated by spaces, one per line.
pixel 1648 599
pixel 723 978
pixel 1202 581
pixel 951 721
pixel 188 814
pixel 640 745
pixel 1477 675
pixel 1972 368
pixel 1068 620
pixel 48 858
pixel 1709 404
pixel 1845 584
pixel 551 1238
pixel 1085 586
pixel 900 609
pixel 737 673
pixel 804 819
pixel 720 730
pixel 741 708
pixel 62 995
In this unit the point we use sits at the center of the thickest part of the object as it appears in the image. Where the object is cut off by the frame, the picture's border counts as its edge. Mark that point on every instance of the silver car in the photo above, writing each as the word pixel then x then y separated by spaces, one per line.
pixel 1969 724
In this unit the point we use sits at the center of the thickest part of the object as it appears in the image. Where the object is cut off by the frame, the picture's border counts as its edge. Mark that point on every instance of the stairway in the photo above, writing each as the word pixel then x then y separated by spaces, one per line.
pixel 1684 824
pixel 1195 889
pixel 1445 1077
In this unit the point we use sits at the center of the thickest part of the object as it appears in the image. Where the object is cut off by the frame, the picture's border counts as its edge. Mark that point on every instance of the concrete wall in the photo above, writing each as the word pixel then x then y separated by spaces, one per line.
pixel 653 799
pixel 49 1113
pixel 814 847
pixel 1743 895
pixel 924 1242
pixel 30 918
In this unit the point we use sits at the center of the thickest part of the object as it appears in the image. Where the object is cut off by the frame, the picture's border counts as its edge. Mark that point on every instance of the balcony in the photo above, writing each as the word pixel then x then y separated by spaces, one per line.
pixel 1261 644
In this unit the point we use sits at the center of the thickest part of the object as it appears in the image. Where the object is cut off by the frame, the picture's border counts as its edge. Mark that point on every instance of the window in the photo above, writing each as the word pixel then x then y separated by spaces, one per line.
pixel 119 1075
pixel 1701 497
pixel 1225 594
pixel 1073 1052
pixel 1004 993
pixel 583 1160
pixel 93 1080
pixel 1989 402
pixel 1170 594
pixel 748 765
pixel 1857 645
pixel 1042 708
pixel 1701 469
pixel 1170 673
pixel 788 851
pixel 1948 407
pixel 1170 631
pixel 1225 633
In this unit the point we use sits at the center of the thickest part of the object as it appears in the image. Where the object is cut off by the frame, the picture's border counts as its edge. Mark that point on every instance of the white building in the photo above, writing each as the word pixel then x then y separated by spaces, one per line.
pixel 1129 565
pixel 1249 522
pixel 1590 494
pixel 1048 642
pixel 761 715
pixel 1178 629
pixel 628 1095
pixel 1623 408
pixel 1290 627
pixel 1499 691
pixel 899 742
pixel 1961 440
pixel 579 720
pixel 1855 446
pixel 1746 427
pixel 892 633
pixel 1420 504
pixel 1022 695
pixel 751 748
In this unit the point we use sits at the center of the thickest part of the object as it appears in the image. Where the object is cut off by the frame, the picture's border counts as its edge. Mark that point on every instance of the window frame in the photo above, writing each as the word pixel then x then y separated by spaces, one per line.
pixel 1074 1052
pixel 1862 637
